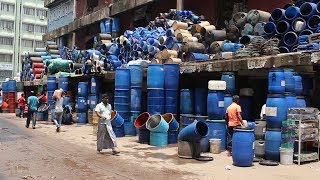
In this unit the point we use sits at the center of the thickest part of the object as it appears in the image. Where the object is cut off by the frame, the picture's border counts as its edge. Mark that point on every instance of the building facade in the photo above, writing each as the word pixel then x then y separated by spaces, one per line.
pixel 22 24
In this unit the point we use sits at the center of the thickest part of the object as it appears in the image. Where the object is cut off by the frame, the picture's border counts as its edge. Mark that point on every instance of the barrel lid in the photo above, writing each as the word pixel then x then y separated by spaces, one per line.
pixel 289 94
pixel 222 121
pixel 240 128
pixel 274 129
pixel 275 96
pixel 300 97
pixel 228 73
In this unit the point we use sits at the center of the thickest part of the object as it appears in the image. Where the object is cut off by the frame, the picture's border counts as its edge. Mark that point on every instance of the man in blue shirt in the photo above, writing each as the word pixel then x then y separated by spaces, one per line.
pixel 33 103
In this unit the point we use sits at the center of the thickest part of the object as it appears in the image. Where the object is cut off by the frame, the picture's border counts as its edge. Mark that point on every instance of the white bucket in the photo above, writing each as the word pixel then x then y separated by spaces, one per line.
pixel 215 146
pixel 286 156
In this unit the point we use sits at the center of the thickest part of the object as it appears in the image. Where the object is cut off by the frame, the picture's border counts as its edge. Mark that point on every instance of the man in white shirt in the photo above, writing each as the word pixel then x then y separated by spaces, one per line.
pixel 106 138
pixel 263 112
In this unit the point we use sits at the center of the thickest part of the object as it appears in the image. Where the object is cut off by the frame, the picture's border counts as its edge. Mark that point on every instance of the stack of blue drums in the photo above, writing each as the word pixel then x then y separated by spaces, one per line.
pixel 171 85
pixel 51 87
pixel 122 98
pixel 136 75
pixel 155 84
pixel 282 89
pixel 82 102
pixel 93 97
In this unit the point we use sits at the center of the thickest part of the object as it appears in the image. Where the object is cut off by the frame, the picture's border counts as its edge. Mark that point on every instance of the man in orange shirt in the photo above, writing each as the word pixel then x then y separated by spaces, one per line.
pixel 234 118
pixel 21 102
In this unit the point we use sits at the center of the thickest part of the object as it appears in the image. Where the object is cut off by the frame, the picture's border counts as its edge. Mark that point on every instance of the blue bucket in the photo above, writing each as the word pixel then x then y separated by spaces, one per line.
pixel 116 119
pixel 156 123
pixel 173 123
pixel 158 138
pixel 194 132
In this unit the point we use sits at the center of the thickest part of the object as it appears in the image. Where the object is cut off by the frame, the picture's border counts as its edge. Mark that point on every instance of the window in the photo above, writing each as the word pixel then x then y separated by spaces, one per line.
pixel 6 58
pixel 7 7
pixel 41 13
pixel 27 27
pixel 6 41
pixel 28 11
pixel 40 29
pixel 27 43
pixel 5 74
pixel 92 4
pixel 6 25
pixel 40 44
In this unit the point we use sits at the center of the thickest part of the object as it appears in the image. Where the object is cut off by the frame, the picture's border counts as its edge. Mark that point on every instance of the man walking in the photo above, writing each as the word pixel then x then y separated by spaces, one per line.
pixel 106 138
pixel 58 111
pixel 33 103
pixel 21 103
pixel 234 118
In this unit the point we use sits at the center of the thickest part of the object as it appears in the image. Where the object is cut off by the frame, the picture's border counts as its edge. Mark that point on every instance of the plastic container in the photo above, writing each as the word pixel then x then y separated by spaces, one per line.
pixel 215 105
pixel 272 145
pixel 215 146
pixel 186 101
pixel 215 85
pixel 155 76
pixel 286 156
pixel 276 81
pixel 243 147
pixel 276 110
pixel 122 79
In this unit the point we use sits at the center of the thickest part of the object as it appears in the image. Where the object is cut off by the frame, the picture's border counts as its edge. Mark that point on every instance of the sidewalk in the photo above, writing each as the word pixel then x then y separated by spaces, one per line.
pixel 157 157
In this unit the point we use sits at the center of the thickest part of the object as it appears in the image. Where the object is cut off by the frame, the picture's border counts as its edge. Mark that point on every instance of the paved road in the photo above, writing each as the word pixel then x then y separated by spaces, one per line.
pixel 30 154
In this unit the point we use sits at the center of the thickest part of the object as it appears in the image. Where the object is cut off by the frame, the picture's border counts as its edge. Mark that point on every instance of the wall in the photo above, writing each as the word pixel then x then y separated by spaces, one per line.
pixel 60 15
pixel 267 5
pixel 81 7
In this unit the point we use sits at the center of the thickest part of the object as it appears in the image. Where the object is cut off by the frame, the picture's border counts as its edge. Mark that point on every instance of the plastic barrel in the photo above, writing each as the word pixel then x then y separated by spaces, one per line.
pixel 272 145
pixel 277 14
pixel 156 101
pixel 171 101
pixel 186 101
pixel 122 93
pixel 50 98
pixel 82 104
pixel 12 86
pixel 227 101
pixel 140 123
pixel 155 76
pixel 81 118
pixel 186 119
pixel 218 130
pixel 94 89
pixel 313 22
pixel 276 110
pixel 298 88
pixel 173 137
pixel 171 74
pixel 289 80
pixel 135 99
pixel 40 116
pixel 156 123
pixel 215 105
pixel 63 83
pixel 83 89
pixel 282 27
pixel 158 138
pixel 118 131
pixel 230 79
pixel 308 9
pixel 102 27
pixel 243 147
pixel 276 81
pixel 122 79
pixel 246 103
pixel 291 13
pixel 129 129
pixel 124 107
pixel 291 100
pixel 116 119
pixel 93 101
pixel 194 132
pixel 301 102
pixel 116 26
pixel 136 75
pixel 66 100
pixel 170 119
pixel 260 129
pixel 4 86
pixel 108 26
pixel 290 39
pixel 200 97
pixel 270 29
